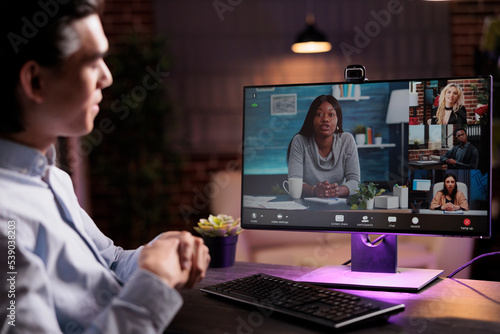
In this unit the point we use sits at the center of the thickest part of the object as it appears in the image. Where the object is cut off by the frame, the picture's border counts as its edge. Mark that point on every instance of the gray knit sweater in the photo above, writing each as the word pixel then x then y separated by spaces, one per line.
pixel 341 166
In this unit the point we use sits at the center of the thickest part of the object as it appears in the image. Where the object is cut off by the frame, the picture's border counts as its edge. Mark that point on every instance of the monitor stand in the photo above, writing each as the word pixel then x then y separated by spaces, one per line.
pixel 373 267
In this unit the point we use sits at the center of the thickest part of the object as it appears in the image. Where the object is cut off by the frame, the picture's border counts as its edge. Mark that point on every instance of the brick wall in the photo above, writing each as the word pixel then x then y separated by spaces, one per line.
pixel 124 16
pixel 414 155
pixel 120 19
pixel 191 194
pixel 467 22
pixel 192 200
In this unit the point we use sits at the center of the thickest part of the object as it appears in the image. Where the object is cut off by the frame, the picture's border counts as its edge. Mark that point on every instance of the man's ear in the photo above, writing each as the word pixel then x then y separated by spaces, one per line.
pixel 32 81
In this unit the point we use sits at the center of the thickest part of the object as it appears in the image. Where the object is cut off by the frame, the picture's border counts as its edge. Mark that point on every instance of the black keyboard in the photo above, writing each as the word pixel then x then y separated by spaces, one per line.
pixel 305 301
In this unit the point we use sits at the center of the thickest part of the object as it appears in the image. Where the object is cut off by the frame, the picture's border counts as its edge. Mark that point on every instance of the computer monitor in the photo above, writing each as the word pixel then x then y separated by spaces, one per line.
pixel 308 149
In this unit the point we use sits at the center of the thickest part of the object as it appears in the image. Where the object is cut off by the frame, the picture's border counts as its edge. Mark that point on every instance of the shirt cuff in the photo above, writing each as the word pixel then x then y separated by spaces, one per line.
pixel 147 290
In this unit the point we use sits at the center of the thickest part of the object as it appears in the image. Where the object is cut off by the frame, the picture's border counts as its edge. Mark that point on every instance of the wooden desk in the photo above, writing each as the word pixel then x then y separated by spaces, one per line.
pixel 446 306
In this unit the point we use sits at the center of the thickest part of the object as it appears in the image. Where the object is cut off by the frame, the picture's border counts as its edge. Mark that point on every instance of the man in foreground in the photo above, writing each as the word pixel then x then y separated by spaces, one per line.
pixel 59 272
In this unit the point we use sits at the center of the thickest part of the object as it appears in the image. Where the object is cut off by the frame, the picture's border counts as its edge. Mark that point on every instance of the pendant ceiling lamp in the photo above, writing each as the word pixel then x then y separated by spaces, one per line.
pixel 310 40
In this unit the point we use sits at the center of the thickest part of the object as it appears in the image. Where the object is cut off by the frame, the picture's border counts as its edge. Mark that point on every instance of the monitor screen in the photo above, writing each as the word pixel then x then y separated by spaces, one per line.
pixel 386 133
pixel 313 154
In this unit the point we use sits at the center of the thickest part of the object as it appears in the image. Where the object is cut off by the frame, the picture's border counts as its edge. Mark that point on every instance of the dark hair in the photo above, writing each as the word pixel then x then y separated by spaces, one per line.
pixel 445 191
pixel 460 129
pixel 39 30
pixel 307 129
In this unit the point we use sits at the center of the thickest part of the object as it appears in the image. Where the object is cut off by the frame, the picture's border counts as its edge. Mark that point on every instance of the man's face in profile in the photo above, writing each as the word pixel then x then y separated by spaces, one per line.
pixel 72 94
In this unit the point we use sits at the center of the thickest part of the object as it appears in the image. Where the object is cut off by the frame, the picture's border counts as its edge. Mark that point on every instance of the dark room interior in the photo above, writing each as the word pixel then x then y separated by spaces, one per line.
pixel 173 116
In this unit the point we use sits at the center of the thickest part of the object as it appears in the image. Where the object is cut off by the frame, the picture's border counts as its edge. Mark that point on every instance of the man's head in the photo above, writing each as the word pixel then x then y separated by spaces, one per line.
pixel 461 135
pixel 49 47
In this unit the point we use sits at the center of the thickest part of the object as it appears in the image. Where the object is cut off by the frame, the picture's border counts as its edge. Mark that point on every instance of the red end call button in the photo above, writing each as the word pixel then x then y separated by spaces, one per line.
pixel 466 221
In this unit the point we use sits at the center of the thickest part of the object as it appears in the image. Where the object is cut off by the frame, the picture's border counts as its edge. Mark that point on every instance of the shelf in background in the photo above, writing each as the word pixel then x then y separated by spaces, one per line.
pixel 376 145
pixel 353 98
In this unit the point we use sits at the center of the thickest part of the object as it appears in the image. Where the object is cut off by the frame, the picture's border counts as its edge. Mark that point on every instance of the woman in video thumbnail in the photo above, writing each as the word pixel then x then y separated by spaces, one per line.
pixel 449 198
pixel 322 154
pixel 451 109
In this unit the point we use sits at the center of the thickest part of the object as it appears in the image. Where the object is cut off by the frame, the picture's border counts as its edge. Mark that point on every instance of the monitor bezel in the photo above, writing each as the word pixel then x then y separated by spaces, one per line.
pixel 245 212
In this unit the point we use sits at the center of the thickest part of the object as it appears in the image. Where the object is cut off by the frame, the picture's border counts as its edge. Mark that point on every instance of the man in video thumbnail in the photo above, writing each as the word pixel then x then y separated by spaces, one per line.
pixel 461 156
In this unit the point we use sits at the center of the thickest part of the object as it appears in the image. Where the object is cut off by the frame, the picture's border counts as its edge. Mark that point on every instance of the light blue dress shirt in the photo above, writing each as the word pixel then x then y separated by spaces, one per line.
pixel 59 272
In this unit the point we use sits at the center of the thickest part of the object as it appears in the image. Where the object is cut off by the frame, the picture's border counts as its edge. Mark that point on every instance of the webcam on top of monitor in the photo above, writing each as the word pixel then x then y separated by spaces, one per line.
pixel 355 74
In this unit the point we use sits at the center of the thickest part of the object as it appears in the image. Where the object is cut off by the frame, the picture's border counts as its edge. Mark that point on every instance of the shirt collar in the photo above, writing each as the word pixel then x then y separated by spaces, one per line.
pixel 24 159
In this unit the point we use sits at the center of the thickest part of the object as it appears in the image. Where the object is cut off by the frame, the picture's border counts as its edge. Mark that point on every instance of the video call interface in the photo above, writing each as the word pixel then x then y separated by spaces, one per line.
pixel 424 144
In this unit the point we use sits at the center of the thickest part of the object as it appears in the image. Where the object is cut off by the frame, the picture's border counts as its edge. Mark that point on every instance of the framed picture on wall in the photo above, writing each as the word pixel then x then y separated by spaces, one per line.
pixel 283 104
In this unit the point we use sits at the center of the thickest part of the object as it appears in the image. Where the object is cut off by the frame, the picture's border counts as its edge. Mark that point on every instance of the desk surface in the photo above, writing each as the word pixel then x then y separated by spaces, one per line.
pixel 284 202
pixel 468 212
pixel 446 306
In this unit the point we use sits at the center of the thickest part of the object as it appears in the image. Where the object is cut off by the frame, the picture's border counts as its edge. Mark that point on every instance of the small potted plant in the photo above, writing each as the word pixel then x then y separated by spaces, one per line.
pixel 416 144
pixel 365 196
pixel 360 133
pixel 378 138
pixel 220 234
